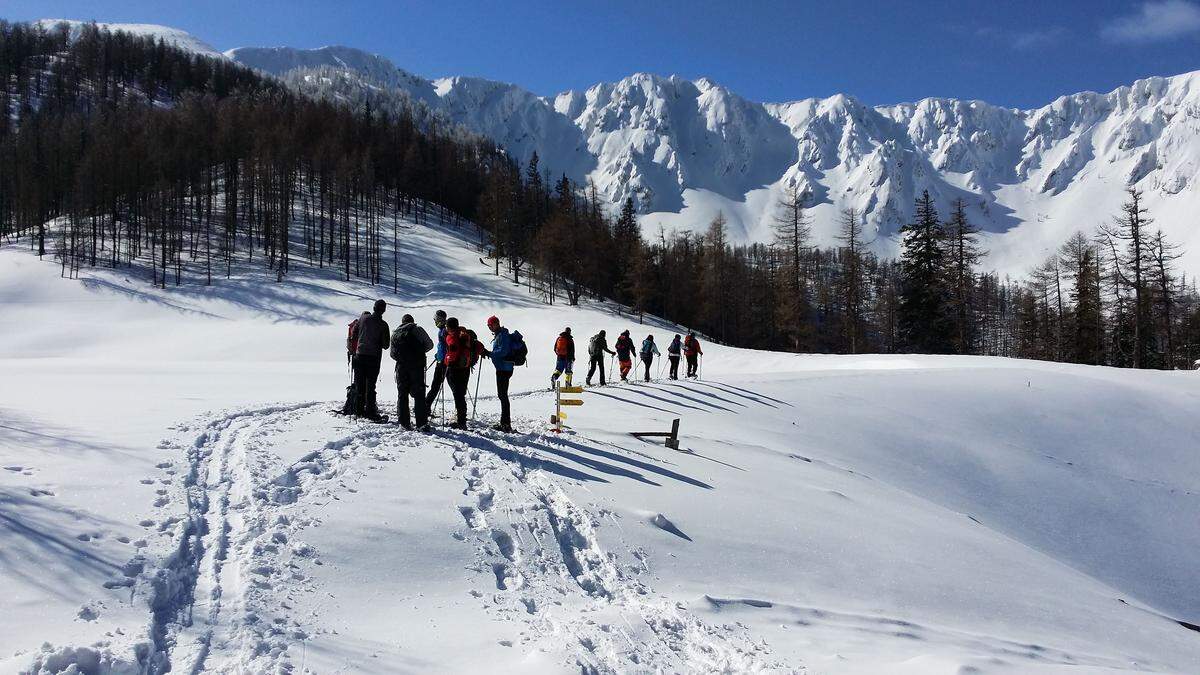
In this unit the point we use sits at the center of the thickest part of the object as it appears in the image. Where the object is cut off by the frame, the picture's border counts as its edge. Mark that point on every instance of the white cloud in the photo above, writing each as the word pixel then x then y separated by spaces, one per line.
pixel 1033 39
pixel 1155 21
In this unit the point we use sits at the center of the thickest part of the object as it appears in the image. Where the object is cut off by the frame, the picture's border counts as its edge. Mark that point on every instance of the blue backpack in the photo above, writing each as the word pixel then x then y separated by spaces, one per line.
pixel 517 351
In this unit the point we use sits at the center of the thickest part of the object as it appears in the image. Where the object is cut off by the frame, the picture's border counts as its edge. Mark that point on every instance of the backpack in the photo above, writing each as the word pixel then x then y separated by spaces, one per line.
pixel 593 348
pixel 406 348
pixel 517 351
pixel 475 347
pixel 460 353
pixel 352 337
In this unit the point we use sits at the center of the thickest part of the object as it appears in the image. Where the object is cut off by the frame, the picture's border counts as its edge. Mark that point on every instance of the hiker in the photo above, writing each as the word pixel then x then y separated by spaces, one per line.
pixel 691 349
pixel 410 343
pixel 649 351
pixel 673 350
pixel 624 345
pixel 351 350
pixel 564 353
pixel 597 347
pixel 459 353
pixel 439 360
pixel 374 336
pixel 502 348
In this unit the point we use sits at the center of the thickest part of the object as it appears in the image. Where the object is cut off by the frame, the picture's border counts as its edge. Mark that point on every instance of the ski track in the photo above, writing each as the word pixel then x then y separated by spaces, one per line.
pixel 221 599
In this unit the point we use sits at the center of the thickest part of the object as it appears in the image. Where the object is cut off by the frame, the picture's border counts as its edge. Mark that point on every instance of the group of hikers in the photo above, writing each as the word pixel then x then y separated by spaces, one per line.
pixel 624 349
pixel 457 350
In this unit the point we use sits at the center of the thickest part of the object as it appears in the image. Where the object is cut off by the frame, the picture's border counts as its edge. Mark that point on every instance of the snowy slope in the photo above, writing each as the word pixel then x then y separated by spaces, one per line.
pixel 171 486
pixel 171 36
pixel 686 150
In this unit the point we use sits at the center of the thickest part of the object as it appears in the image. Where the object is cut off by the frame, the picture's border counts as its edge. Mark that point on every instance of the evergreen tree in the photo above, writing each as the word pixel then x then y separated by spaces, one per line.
pixel 924 321
pixel 963 258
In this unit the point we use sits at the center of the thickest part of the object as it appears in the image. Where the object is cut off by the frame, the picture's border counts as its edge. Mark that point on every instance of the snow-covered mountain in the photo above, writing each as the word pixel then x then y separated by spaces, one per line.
pixel 171 36
pixel 684 150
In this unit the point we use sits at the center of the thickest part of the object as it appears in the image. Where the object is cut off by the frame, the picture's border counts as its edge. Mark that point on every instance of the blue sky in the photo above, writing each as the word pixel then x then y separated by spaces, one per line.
pixel 1016 53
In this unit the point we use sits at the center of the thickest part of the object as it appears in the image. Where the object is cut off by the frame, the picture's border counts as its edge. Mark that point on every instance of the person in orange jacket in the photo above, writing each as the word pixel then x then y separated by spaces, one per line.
pixel 564 354
pixel 691 350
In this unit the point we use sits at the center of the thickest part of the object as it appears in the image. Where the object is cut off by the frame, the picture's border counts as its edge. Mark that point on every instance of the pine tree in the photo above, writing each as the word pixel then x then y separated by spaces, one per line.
pixel 852 281
pixel 963 258
pixel 1078 257
pixel 924 321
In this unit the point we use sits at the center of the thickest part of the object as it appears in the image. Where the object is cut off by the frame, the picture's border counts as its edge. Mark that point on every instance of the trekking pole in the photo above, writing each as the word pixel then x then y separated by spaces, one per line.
pixel 443 397
pixel 659 375
pixel 700 370
pixel 475 401
pixel 611 361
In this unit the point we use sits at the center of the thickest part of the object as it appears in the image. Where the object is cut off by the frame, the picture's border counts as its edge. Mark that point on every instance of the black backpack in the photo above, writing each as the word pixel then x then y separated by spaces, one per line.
pixel 406 348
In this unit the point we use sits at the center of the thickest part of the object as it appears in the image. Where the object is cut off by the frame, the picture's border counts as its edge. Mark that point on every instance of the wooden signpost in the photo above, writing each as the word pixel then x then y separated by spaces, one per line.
pixel 558 416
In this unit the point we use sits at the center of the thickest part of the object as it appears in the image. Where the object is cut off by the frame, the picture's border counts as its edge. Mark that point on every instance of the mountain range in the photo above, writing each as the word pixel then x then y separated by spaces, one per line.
pixel 685 150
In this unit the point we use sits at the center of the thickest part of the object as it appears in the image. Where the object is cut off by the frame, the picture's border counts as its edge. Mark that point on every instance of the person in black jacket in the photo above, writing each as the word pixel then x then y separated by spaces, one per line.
pixel 374 336
pixel 410 343
pixel 673 351
pixel 597 348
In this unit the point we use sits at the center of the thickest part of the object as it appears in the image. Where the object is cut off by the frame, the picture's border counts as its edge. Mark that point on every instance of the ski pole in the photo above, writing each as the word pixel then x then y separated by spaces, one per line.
pixel 611 361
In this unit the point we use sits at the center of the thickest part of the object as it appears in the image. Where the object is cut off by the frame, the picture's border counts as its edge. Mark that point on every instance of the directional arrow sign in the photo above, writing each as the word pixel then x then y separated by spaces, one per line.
pixel 571 390
pixel 571 401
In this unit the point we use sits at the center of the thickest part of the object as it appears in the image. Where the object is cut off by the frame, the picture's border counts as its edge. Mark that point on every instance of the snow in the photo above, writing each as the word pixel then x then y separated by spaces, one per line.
pixel 174 491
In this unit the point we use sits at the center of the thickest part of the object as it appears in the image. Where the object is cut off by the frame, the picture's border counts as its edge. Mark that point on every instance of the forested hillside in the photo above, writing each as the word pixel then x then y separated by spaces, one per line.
pixel 120 150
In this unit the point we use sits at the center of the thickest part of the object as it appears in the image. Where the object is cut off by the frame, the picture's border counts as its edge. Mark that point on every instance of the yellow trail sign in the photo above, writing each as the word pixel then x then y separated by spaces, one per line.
pixel 562 415
pixel 571 401
pixel 571 390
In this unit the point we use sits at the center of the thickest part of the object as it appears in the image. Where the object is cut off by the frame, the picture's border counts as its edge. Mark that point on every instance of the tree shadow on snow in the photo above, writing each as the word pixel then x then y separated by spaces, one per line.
pixel 39 553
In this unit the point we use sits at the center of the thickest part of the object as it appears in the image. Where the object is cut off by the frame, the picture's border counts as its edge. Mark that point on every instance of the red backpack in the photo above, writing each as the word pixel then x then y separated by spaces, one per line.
pixel 352 337
pixel 458 349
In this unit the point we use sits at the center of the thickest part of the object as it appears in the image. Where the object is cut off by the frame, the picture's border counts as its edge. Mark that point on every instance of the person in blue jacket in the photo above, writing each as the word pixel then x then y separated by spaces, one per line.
pixel 504 370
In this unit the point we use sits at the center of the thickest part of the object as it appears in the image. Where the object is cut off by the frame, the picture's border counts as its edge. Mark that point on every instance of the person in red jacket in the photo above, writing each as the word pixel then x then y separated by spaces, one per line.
pixel 691 350
pixel 625 349
pixel 460 352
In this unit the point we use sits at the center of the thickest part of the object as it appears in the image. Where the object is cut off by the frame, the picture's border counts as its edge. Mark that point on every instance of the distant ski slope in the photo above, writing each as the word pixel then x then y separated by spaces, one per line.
pixel 172 485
